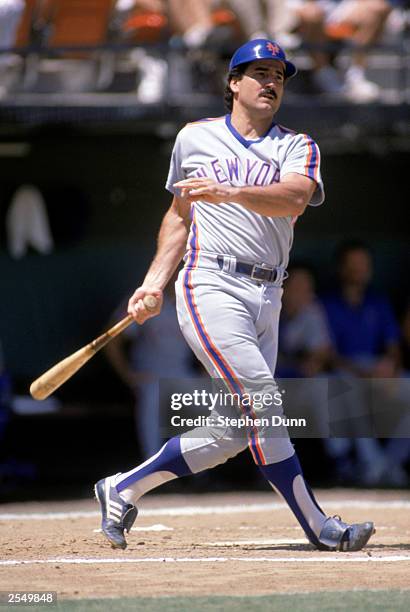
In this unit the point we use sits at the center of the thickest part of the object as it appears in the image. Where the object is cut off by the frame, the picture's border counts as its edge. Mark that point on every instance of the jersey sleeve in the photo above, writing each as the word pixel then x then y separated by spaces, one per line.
pixel 303 157
pixel 176 172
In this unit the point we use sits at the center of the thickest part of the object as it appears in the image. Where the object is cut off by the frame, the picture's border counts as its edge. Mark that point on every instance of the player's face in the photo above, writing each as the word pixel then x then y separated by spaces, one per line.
pixel 261 87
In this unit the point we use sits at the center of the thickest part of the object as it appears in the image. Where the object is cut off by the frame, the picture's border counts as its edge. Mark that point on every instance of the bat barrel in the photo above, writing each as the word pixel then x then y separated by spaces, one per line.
pixel 48 382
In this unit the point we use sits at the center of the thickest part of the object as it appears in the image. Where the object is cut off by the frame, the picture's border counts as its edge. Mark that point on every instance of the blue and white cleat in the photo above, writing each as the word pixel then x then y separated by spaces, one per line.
pixel 117 515
pixel 337 535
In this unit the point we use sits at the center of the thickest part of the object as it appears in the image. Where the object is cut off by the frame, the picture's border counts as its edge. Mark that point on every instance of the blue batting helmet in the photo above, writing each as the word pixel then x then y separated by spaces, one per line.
pixel 262 48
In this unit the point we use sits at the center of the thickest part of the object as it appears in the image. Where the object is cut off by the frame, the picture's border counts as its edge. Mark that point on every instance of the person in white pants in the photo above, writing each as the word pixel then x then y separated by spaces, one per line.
pixel 239 183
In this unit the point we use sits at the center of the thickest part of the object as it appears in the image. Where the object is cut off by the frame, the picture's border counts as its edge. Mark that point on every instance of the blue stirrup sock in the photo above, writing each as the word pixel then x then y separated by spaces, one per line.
pixel 286 478
pixel 167 464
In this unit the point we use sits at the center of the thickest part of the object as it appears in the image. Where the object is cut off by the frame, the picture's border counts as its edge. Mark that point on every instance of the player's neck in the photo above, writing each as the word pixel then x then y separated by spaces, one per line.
pixel 250 126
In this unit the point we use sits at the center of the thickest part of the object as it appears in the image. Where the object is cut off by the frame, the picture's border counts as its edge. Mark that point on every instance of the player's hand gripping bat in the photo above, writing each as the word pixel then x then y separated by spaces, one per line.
pixel 48 382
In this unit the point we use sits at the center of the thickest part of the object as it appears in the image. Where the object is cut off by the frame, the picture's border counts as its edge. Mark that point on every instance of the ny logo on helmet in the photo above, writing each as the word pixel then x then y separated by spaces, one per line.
pixel 273 48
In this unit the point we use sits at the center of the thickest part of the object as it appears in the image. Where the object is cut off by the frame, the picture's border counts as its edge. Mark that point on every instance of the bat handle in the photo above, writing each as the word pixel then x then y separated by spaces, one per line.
pixel 116 329
pixel 150 302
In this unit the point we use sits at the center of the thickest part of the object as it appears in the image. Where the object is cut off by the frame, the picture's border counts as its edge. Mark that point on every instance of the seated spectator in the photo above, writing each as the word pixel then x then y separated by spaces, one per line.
pixel 398 449
pixel 304 341
pixel 321 23
pixel 266 19
pixel 362 321
pixel 360 23
pixel 191 27
pixel 365 336
pixel 192 20
pixel 304 351
pixel 152 68
pixel 10 14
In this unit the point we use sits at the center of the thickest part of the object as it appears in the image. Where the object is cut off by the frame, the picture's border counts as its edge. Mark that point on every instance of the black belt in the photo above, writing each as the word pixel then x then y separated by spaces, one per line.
pixel 258 272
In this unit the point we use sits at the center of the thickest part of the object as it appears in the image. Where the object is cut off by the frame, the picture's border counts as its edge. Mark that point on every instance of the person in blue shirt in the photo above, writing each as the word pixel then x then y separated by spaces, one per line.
pixel 366 346
pixel 364 328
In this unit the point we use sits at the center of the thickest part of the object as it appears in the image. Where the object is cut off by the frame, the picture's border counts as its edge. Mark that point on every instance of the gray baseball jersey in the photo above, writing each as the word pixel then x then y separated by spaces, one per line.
pixel 213 148
pixel 229 320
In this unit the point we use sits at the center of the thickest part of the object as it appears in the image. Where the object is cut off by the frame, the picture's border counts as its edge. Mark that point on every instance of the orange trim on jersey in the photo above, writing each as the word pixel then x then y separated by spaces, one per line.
pixel 309 158
pixel 258 456
pixel 213 353
pixel 313 159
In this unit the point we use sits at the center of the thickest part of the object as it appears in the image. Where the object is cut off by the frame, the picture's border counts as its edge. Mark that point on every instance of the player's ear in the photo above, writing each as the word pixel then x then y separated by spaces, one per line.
pixel 233 84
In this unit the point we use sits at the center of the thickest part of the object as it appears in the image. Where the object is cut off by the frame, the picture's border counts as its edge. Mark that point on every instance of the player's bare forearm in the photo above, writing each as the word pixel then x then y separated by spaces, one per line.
pixel 170 250
pixel 287 198
pixel 277 200
pixel 171 246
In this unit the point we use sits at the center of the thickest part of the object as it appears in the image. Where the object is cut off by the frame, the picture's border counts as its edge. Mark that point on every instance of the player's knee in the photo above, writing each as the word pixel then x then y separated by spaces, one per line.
pixel 208 452
pixel 227 448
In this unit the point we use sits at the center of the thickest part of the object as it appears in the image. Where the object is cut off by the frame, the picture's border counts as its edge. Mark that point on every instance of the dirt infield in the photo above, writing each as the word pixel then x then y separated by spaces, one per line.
pixel 222 544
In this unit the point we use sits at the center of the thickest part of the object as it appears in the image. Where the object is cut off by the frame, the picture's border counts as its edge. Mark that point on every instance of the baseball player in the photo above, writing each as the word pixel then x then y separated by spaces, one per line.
pixel 239 182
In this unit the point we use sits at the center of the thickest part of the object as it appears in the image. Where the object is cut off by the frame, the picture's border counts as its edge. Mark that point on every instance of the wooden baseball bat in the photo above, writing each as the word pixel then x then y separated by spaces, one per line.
pixel 53 378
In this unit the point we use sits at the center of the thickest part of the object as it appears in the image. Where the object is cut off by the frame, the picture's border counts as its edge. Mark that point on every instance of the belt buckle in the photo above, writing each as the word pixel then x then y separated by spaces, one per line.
pixel 264 271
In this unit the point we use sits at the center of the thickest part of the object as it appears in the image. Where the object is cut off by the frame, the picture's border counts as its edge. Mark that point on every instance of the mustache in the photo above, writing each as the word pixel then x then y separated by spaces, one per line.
pixel 269 91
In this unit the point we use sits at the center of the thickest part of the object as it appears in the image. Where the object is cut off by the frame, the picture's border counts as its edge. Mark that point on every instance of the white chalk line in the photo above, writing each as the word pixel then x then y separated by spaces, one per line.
pixel 209 510
pixel 157 527
pixel 319 559
pixel 261 541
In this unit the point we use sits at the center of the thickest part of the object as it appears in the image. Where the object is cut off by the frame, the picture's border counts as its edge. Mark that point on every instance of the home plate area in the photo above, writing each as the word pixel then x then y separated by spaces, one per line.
pixel 242 544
